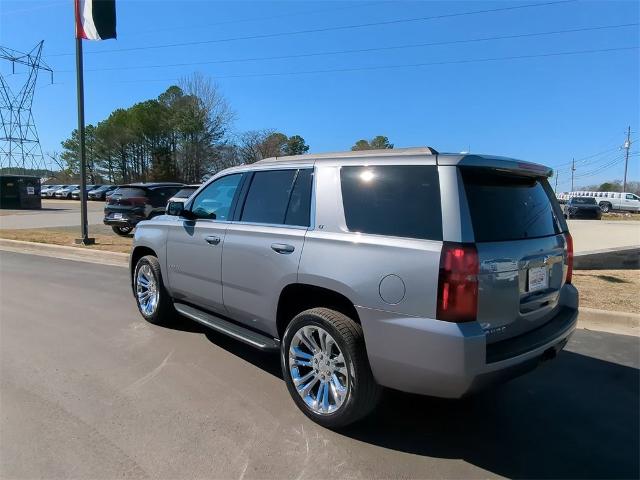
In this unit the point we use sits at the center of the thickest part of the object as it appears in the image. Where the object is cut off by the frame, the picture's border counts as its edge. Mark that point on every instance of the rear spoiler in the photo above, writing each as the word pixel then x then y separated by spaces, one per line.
pixel 501 164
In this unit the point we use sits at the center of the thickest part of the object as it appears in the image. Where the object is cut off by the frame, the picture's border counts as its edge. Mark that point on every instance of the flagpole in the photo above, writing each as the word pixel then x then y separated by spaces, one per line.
pixel 85 240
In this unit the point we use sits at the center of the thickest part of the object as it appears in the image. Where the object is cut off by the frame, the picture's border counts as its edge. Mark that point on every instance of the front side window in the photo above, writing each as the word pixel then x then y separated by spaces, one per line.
pixel 395 200
pixel 215 200
pixel 631 196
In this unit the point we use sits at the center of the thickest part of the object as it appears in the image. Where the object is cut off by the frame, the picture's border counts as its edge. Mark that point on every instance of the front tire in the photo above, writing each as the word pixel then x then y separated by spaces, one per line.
pixel 122 231
pixel 152 298
pixel 325 366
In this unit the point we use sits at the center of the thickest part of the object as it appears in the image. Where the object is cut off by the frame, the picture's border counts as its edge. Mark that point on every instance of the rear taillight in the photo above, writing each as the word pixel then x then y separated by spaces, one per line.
pixel 458 283
pixel 569 241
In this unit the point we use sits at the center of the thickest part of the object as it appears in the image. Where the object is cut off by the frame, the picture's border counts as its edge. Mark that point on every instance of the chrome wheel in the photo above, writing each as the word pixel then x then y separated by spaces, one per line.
pixel 318 369
pixel 147 290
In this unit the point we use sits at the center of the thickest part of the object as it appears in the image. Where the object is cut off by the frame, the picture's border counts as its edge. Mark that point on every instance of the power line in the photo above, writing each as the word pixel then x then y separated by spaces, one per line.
pixel 256 19
pixel 407 65
pixel 360 50
pixel 328 29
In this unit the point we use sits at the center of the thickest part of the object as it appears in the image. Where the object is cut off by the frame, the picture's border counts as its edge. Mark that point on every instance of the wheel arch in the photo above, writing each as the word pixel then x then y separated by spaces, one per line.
pixel 137 253
pixel 297 297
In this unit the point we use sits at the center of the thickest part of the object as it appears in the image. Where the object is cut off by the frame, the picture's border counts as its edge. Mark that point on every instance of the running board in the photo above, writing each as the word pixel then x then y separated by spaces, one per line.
pixel 233 330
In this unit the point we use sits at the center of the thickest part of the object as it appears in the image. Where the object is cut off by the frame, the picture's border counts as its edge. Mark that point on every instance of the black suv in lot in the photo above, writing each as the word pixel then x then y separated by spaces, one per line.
pixel 131 204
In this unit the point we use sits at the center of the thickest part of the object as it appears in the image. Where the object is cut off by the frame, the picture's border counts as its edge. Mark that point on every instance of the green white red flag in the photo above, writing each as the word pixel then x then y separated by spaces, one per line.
pixel 95 19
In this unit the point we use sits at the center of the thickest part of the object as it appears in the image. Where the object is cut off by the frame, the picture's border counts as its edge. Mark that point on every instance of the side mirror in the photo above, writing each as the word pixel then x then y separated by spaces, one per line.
pixel 177 210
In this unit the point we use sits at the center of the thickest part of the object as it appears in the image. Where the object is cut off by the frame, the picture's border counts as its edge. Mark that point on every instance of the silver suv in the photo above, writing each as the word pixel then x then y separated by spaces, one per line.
pixel 430 273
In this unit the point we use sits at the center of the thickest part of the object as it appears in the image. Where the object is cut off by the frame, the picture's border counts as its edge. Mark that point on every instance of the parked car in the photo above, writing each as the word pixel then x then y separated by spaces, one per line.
pixel 582 207
pixel 609 201
pixel 65 192
pixel 47 191
pixel 100 192
pixel 130 204
pixel 184 193
pixel 435 274
pixel 76 193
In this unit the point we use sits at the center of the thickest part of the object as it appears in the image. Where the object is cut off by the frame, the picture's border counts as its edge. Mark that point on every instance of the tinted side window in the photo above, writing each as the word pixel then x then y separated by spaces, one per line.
pixel 268 197
pixel 396 200
pixel 214 202
pixel 299 208
pixel 160 196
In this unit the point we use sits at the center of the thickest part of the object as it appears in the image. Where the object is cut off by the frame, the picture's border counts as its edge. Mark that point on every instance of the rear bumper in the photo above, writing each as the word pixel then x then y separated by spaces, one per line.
pixel 449 360
pixel 128 219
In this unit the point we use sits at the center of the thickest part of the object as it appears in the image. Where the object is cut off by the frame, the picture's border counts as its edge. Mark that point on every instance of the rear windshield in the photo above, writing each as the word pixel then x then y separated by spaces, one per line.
pixel 130 192
pixel 583 200
pixel 395 200
pixel 508 207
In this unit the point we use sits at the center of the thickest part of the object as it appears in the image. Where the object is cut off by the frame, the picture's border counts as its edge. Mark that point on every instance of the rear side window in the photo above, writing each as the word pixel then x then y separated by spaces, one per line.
pixel 508 207
pixel 160 196
pixel 299 209
pixel 279 197
pixel 395 200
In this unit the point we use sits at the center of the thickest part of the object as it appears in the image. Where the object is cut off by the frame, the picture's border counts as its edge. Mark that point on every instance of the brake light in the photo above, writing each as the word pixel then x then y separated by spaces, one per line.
pixel 569 240
pixel 458 283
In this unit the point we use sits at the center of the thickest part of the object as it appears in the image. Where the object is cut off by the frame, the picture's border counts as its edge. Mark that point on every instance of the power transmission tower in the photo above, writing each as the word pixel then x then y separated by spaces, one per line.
pixel 19 143
pixel 626 146
pixel 573 169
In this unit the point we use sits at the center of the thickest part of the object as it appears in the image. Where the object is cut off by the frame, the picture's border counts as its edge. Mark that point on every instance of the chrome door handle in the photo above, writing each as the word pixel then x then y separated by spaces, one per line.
pixel 282 248
pixel 212 240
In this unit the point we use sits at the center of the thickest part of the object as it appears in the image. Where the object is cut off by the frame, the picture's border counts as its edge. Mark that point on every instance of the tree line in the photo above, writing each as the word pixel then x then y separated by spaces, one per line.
pixel 184 134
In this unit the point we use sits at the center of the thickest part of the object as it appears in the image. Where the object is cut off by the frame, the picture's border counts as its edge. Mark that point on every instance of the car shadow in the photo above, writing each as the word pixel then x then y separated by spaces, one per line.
pixel 574 417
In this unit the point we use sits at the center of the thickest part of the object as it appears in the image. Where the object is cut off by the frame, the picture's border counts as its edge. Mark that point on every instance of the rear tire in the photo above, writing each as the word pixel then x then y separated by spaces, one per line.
pixel 354 391
pixel 122 231
pixel 605 207
pixel 147 278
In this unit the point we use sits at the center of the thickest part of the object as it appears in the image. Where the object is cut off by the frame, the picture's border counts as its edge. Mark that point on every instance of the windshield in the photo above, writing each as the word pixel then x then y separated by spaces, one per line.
pixel 504 206
pixel 583 200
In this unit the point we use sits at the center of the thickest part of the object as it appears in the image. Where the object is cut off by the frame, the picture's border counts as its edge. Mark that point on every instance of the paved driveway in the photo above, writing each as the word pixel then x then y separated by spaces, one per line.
pixel 590 235
pixel 54 213
pixel 89 390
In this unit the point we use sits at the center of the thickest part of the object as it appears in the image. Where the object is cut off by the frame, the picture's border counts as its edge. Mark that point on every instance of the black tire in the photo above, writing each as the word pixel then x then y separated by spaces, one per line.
pixel 164 313
pixel 363 393
pixel 605 207
pixel 122 231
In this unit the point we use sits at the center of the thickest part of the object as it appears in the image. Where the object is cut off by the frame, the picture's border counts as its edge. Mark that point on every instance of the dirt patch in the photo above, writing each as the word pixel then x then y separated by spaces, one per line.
pixel 105 238
pixel 609 289
pixel 621 216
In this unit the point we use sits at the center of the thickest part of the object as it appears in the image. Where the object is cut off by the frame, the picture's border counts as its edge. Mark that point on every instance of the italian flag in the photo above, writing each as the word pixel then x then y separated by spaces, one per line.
pixel 95 19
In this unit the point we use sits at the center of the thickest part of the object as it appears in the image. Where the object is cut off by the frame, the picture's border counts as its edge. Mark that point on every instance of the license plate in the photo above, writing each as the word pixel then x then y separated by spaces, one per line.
pixel 117 216
pixel 538 279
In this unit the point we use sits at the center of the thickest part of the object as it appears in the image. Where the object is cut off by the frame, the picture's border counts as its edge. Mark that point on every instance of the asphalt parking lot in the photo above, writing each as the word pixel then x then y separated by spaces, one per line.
pixel 89 390
pixel 54 213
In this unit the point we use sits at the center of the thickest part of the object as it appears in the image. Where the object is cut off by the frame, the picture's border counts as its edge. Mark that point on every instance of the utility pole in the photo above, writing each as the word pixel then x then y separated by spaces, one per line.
pixel 556 187
pixel 627 146
pixel 573 169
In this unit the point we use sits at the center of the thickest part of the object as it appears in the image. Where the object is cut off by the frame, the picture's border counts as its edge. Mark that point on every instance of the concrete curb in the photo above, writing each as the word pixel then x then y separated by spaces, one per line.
pixel 609 321
pixel 607 259
pixel 81 254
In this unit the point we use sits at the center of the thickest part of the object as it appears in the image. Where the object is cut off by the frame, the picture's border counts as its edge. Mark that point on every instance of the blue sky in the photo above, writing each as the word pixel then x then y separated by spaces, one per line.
pixel 547 108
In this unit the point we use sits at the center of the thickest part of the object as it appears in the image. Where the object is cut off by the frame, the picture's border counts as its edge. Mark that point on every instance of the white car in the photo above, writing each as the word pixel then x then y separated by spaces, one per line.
pixel 622 201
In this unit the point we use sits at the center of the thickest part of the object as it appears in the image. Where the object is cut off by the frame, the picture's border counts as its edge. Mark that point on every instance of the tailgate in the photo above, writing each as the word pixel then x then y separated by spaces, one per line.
pixel 519 235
